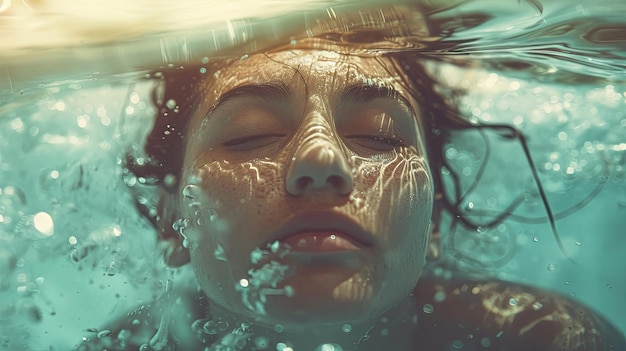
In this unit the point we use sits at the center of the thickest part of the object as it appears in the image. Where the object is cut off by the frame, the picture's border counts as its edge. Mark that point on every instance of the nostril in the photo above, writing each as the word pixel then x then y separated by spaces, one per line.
pixel 336 181
pixel 303 182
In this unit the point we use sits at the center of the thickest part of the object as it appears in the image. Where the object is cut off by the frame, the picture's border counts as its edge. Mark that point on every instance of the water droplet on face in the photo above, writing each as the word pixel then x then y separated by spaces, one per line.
pixel 428 308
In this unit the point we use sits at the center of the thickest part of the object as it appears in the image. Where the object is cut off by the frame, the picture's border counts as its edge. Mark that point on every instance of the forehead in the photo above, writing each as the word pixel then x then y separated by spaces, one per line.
pixel 328 69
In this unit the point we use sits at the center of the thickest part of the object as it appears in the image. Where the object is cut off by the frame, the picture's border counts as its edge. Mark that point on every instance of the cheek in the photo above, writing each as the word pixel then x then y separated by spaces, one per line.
pixel 224 203
pixel 397 194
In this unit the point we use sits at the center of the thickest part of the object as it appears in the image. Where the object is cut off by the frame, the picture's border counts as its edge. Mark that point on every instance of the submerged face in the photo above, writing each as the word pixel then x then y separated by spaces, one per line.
pixel 305 193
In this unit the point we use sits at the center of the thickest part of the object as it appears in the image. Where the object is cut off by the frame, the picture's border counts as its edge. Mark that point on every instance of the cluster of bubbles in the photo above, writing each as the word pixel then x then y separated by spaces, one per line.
pixel 261 283
pixel 234 340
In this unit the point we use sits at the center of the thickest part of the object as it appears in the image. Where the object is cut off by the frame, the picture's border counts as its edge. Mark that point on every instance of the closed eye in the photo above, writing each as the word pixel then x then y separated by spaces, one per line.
pixel 252 141
pixel 377 142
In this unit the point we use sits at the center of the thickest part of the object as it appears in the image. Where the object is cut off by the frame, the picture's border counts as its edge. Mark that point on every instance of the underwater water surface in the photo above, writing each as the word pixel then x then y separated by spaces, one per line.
pixel 75 253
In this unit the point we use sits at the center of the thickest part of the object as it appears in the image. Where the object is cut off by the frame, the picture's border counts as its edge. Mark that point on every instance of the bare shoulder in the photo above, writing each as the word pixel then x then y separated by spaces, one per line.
pixel 507 316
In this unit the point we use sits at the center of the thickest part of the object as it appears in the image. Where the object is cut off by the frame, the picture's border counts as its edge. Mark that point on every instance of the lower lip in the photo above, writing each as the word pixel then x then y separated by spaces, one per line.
pixel 320 242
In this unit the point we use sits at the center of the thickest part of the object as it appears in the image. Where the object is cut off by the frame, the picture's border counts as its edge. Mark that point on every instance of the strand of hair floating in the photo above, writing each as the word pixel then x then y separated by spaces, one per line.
pixel 516 134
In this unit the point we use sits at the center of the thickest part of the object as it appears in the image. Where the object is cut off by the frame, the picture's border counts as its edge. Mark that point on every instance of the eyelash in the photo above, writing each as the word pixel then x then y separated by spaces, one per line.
pixel 391 142
pixel 244 142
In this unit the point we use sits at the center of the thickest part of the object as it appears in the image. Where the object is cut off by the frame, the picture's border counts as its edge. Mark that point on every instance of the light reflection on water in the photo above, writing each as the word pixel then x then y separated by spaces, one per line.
pixel 74 252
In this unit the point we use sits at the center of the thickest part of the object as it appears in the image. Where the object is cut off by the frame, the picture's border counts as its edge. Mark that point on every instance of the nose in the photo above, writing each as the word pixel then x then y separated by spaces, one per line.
pixel 319 165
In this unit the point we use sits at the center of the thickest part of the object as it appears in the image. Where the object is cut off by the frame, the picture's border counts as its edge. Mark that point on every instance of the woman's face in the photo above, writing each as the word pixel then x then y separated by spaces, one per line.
pixel 305 194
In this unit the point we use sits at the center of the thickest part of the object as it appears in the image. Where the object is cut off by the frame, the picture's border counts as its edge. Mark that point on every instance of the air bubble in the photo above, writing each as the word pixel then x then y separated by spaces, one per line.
pixel 279 328
pixel 43 223
pixel 111 269
pixel 103 333
pixel 440 296
pixel 513 301
pixel 219 253
pixel 551 267
pixel 457 344
pixel 180 224
pixel 537 306
pixel 213 215
pixel 275 246
pixel 170 104
pixel 197 325
pixel 346 328
pixel 214 327
pixel 261 343
pixel 428 308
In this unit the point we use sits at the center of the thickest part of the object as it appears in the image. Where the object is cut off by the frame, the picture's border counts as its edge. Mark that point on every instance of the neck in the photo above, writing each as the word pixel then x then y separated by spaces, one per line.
pixel 396 324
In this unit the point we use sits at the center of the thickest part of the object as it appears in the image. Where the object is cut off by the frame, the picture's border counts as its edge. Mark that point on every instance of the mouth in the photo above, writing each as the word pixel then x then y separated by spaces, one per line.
pixel 322 232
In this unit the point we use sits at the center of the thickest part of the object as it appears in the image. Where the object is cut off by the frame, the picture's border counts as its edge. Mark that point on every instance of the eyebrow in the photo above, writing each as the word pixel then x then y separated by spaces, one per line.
pixel 366 92
pixel 271 91
pixel 267 91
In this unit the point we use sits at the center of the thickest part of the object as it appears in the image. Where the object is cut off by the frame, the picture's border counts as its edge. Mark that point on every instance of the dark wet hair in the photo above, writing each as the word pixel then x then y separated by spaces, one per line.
pixel 178 91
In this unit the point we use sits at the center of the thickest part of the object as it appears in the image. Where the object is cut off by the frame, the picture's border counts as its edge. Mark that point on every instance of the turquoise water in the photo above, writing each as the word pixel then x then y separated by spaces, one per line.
pixel 75 253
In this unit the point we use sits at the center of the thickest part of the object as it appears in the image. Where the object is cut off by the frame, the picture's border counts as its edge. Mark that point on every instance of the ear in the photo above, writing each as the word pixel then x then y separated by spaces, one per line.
pixel 170 241
pixel 434 244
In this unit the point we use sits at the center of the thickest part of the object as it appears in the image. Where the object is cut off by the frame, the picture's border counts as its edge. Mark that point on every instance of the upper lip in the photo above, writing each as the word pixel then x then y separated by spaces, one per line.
pixel 324 221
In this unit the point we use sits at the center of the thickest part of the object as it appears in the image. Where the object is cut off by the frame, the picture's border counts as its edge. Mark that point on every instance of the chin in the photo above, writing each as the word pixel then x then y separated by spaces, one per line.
pixel 297 314
pixel 327 297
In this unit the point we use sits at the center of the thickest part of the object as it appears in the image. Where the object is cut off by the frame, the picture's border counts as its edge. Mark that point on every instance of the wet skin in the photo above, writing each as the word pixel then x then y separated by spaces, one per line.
pixel 305 195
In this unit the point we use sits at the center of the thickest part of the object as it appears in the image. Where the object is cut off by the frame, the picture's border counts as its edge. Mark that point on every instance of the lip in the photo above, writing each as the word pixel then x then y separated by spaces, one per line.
pixel 316 229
